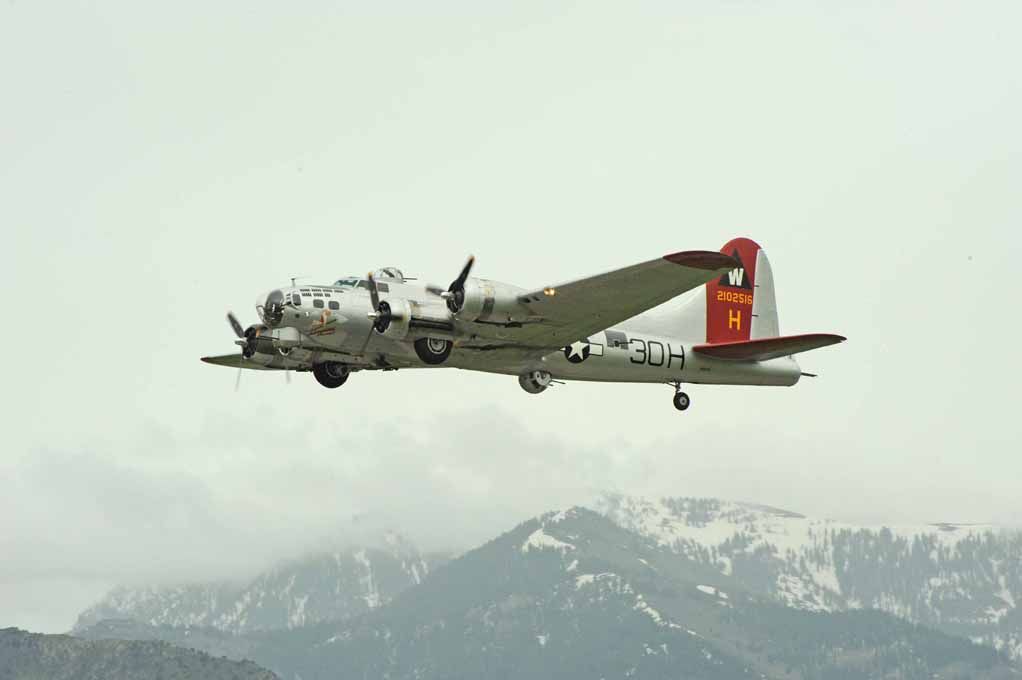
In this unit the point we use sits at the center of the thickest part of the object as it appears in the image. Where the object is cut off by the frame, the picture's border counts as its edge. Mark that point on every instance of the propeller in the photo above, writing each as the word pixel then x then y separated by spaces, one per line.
pixel 455 293
pixel 235 325
pixel 247 340
pixel 242 341
pixel 380 315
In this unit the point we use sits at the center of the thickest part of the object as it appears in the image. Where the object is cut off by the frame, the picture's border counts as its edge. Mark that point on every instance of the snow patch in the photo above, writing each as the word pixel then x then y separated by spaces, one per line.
pixel 585 579
pixel 642 606
pixel 710 590
pixel 540 540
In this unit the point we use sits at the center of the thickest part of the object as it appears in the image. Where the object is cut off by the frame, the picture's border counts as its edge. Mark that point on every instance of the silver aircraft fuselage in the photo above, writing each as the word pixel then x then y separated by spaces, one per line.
pixel 330 323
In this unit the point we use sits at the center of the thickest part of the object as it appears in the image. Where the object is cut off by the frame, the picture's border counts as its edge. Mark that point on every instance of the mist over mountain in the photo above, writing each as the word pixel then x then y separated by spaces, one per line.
pixel 324 586
pixel 638 588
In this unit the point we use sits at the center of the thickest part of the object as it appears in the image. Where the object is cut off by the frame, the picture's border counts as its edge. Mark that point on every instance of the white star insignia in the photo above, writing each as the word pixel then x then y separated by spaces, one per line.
pixel 578 349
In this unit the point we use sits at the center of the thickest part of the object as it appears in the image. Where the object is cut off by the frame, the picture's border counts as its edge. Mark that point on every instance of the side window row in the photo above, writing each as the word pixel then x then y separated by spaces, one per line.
pixel 334 304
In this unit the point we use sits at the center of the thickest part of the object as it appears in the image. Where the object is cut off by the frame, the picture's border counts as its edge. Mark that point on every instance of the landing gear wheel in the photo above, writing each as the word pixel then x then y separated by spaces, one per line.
pixel 681 401
pixel 433 351
pixel 330 374
pixel 535 382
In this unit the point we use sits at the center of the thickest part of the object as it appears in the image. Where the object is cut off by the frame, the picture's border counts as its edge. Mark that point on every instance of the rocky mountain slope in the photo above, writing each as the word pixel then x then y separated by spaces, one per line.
pixel 573 594
pixel 28 656
pixel 963 580
pixel 323 587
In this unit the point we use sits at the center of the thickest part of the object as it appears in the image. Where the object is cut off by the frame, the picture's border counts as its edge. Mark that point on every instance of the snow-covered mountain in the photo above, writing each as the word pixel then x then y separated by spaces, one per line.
pixel 328 586
pixel 962 579
pixel 965 581
pixel 573 595
pixel 704 586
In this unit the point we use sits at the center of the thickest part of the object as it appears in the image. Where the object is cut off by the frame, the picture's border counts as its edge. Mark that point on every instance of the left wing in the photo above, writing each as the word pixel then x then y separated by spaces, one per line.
pixel 237 361
pixel 580 308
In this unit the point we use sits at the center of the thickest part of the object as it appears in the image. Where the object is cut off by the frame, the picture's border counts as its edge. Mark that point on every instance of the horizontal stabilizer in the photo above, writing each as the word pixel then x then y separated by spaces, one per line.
pixel 763 349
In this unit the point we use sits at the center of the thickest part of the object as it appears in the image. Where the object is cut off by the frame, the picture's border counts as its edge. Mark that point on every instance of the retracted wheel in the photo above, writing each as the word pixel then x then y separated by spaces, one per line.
pixel 330 374
pixel 681 401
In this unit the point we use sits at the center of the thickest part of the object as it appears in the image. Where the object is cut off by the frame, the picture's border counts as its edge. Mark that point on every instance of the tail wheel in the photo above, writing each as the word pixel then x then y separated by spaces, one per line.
pixel 433 351
pixel 681 401
pixel 331 374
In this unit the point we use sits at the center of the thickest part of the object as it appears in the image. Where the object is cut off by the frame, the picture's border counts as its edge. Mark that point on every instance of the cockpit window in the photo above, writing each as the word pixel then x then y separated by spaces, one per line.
pixel 345 283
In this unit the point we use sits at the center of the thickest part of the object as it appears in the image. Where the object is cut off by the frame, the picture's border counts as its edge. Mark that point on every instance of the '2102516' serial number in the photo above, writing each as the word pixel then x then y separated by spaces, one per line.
pixel 731 296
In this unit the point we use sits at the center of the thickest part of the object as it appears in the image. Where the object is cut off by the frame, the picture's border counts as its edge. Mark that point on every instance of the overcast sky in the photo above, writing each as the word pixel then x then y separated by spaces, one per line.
pixel 162 163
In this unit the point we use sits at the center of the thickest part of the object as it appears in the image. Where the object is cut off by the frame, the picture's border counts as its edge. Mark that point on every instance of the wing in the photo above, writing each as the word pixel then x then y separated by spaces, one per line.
pixel 577 309
pixel 236 361
pixel 767 348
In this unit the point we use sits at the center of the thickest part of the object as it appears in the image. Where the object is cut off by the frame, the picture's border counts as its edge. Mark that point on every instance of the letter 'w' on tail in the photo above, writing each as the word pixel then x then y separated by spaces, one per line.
pixel 740 304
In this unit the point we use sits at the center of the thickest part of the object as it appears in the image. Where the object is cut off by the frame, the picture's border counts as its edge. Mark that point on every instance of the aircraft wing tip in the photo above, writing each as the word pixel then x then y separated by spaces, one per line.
pixel 703 259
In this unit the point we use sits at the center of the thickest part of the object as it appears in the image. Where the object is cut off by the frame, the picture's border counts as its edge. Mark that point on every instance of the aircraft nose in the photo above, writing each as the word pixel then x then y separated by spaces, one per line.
pixel 271 307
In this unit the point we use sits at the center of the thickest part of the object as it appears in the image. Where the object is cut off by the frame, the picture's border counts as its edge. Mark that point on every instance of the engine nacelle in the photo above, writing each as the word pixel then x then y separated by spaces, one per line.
pixel 491 301
pixel 535 382
pixel 398 313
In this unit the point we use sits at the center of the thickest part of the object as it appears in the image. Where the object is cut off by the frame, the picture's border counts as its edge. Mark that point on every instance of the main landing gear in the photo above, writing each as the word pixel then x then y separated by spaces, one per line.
pixel 433 351
pixel 681 400
pixel 535 382
pixel 331 374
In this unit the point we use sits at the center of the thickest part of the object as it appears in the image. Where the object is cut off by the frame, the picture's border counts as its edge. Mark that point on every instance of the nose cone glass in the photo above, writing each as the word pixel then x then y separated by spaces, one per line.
pixel 272 308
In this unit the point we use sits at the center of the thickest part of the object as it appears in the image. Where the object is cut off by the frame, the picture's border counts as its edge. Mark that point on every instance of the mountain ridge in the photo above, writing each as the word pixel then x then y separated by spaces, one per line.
pixel 962 579
pixel 954 578
pixel 320 586
pixel 30 656
pixel 572 594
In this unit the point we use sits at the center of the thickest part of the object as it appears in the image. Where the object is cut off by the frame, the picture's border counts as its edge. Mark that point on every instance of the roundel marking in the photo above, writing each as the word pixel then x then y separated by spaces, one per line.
pixel 578 351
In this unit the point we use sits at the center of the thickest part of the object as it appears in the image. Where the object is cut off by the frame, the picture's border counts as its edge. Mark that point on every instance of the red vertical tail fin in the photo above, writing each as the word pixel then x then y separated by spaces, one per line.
pixel 729 299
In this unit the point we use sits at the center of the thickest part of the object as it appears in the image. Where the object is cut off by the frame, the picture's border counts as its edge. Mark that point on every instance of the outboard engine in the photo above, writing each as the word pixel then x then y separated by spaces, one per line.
pixel 257 341
pixel 488 301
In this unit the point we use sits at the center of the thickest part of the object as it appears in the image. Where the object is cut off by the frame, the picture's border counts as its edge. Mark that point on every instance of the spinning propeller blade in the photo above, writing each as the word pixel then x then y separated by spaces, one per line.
pixel 242 342
pixel 436 290
pixel 374 293
pixel 459 283
pixel 455 294
pixel 374 297
pixel 235 325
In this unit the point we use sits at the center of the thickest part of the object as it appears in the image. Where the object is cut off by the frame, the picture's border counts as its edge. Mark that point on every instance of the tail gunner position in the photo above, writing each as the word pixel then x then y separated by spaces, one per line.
pixel 602 328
